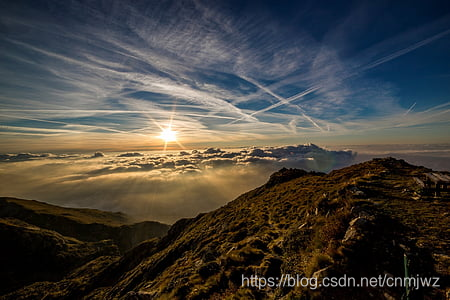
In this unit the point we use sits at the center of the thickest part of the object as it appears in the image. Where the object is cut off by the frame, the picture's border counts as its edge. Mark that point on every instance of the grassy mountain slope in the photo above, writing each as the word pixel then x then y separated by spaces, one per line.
pixel 357 221
pixel 30 253
pixel 44 242
pixel 83 224
pixel 19 207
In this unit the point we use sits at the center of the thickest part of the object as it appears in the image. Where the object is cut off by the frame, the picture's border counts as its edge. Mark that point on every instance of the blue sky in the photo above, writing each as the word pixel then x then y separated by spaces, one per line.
pixel 110 75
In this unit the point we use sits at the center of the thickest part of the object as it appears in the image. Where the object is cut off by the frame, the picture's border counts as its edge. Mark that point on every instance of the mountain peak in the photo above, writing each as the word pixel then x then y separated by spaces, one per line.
pixel 358 221
pixel 284 175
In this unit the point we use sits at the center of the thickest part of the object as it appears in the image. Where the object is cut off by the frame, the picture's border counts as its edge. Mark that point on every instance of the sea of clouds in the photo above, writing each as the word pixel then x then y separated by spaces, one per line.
pixel 167 186
pixel 157 186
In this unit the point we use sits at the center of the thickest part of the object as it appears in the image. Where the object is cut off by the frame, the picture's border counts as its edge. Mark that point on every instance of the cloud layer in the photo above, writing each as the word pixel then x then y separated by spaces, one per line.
pixel 162 187
pixel 168 186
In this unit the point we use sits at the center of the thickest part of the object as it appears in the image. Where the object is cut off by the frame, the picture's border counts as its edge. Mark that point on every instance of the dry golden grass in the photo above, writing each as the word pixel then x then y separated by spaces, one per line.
pixel 298 224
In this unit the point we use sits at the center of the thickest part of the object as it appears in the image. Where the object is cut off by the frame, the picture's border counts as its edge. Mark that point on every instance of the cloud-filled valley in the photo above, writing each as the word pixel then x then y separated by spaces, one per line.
pixel 158 186
pixel 175 184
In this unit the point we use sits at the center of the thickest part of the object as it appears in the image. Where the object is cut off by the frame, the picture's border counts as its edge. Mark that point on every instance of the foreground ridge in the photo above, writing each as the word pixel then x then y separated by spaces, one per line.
pixel 360 221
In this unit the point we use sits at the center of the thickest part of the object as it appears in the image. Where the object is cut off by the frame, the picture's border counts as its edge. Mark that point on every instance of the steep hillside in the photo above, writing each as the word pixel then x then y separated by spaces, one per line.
pixel 29 253
pixel 45 242
pixel 358 221
pixel 88 225
pixel 21 208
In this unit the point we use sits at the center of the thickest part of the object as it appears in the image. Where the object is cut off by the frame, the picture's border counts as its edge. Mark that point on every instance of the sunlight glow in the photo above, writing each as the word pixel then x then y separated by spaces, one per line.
pixel 168 135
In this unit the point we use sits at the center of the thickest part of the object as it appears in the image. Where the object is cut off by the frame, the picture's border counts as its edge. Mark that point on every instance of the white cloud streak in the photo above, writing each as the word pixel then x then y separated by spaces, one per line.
pixel 126 67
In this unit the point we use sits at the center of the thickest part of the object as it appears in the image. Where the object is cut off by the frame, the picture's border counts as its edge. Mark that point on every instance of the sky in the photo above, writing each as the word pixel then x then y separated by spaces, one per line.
pixel 111 75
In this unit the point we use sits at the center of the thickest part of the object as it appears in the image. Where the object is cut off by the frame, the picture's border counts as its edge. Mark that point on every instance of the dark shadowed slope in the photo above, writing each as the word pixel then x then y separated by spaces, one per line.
pixel 29 253
pixel 19 208
pixel 81 223
pixel 44 242
pixel 357 221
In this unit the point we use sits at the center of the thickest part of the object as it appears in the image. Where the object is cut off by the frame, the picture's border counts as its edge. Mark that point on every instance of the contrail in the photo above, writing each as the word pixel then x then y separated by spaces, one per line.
pixel 364 68
pixel 406 50
pixel 283 101
pixel 107 111
pixel 72 124
pixel 264 89
pixel 409 109
pixel 224 105
pixel 286 101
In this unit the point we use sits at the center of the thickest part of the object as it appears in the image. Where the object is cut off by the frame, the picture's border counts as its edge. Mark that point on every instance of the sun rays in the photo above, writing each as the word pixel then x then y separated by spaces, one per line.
pixel 168 135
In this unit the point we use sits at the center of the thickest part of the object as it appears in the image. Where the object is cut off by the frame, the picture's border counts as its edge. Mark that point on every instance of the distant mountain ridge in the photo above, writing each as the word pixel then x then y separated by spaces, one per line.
pixel 82 223
pixel 356 221
pixel 41 241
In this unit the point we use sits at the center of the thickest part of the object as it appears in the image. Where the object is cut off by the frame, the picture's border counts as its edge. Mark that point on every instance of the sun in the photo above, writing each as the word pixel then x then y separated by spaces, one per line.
pixel 168 135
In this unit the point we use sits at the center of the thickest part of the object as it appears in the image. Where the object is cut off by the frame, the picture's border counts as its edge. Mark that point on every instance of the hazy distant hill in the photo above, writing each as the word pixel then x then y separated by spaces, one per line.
pixel 43 242
pixel 84 224
pixel 357 221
